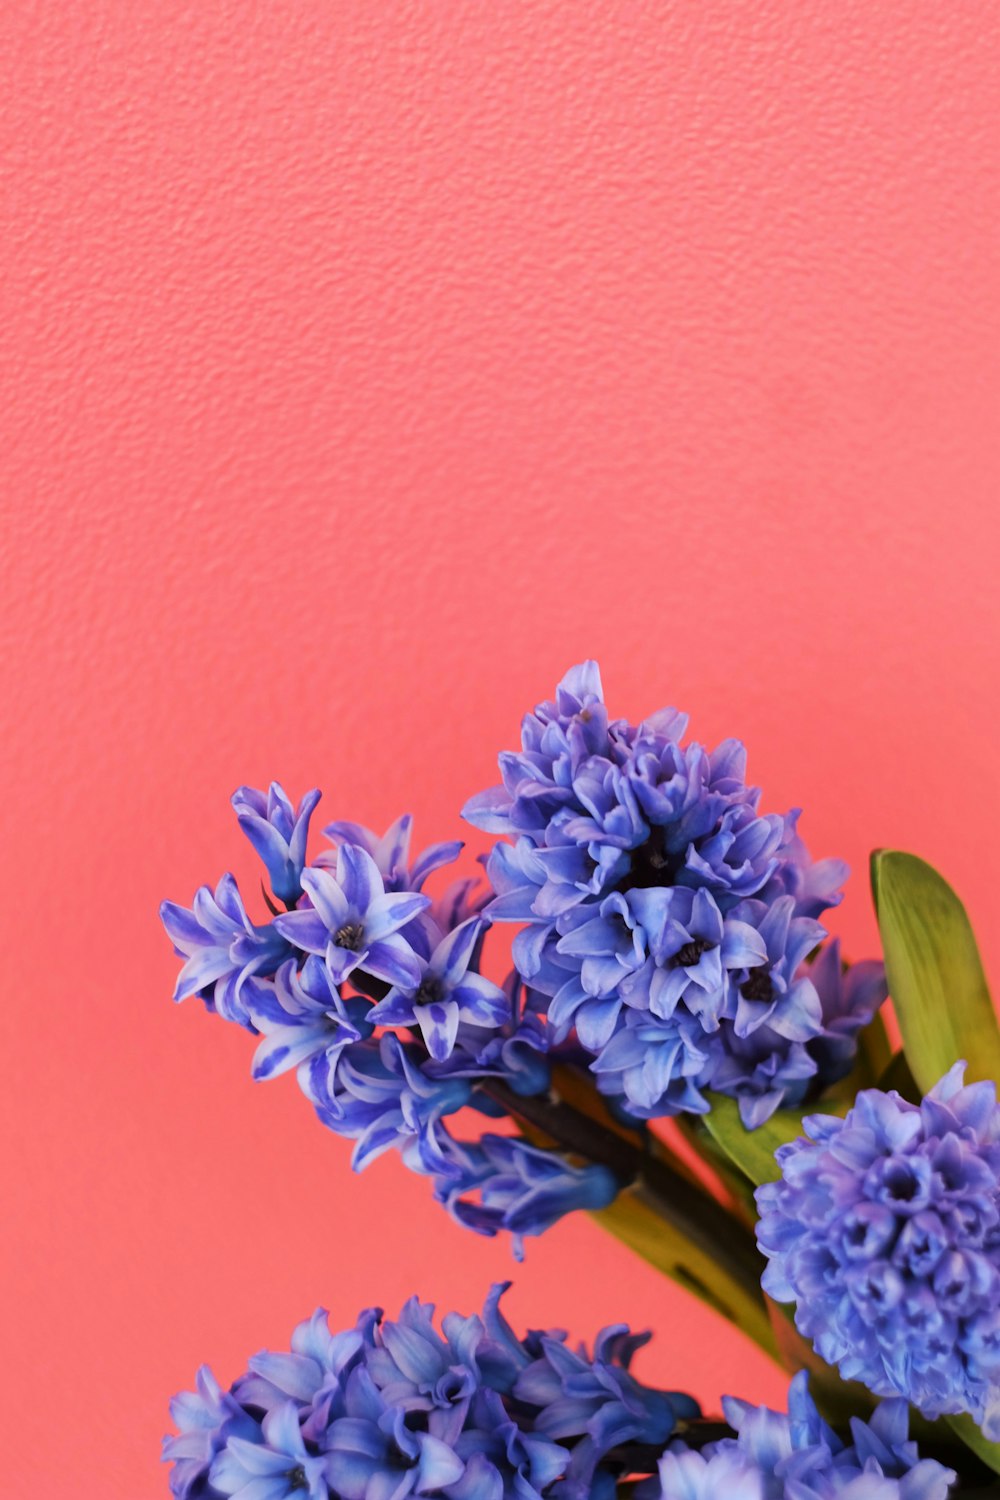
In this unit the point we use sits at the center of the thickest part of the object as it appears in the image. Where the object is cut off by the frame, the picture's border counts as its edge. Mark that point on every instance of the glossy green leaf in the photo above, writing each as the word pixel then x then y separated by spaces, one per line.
pixel 873 1058
pixel 752 1150
pixel 874 1054
pixel 935 974
pixel 637 1222
pixel 971 1436
pixel 899 1077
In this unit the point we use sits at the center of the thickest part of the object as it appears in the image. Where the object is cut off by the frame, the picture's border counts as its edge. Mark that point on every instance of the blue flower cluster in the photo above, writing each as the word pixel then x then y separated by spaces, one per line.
pixel 374 993
pixel 775 1456
pixel 668 937
pixel 665 921
pixel 884 1230
pixel 391 1409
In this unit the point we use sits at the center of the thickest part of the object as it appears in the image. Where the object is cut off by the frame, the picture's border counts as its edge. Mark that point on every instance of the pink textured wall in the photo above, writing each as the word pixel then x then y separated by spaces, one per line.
pixel 361 367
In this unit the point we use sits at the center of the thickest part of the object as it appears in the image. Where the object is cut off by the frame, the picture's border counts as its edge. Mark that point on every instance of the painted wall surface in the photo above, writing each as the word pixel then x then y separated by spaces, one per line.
pixel 362 366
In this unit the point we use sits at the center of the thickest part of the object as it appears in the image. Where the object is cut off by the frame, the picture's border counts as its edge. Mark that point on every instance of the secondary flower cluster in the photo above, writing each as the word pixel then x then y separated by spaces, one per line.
pixel 373 992
pixel 391 1409
pixel 884 1230
pixel 665 919
pixel 796 1456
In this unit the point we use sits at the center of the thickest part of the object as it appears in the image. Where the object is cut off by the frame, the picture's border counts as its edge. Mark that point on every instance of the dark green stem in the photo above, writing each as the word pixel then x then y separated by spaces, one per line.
pixel 679 1201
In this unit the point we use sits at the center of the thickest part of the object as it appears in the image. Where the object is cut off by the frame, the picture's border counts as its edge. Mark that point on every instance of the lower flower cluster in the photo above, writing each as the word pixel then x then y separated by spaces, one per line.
pixel 391 1409
pixel 388 1409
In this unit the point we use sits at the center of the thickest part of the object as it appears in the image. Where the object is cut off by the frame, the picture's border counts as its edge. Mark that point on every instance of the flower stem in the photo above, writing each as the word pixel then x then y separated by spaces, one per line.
pixel 662 1212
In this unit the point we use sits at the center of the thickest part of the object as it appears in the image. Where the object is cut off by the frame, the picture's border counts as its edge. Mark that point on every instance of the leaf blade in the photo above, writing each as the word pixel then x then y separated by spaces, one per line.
pixel 635 1221
pixel 935 974
pixel 752 1150
pixel 966 1429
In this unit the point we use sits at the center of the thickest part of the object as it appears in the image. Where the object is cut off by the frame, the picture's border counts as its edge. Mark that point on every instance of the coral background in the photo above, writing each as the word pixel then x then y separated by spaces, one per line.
pixel 361 368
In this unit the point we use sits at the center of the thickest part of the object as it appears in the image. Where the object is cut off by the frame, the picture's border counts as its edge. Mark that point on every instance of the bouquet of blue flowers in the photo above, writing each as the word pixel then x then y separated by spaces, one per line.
pixel 669 961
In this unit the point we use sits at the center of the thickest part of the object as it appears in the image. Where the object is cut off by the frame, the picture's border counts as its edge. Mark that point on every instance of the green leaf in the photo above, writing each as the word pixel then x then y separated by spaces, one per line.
pixel 898 1076
pixel 873 1058
pixel 874 1054
pixel 971 1436
pixel 636 1221
pixel 753 1150
pixel 935 974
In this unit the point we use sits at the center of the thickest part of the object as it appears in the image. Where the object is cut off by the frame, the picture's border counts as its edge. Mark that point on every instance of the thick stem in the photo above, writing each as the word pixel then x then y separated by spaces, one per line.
pixel 663 1215
pixel 699 1216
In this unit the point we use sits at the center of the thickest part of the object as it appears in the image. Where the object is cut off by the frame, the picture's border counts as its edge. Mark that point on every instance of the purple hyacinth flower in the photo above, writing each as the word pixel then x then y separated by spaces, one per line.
pixel 449 992
pixel 361 932
pixel 278 832
pixel 371 1453
pixel 776 993
pixel 645 879
pixel 314 1369
pixel 697 957
pixel 504 1457
pixel 816 885
pixel 763 1072
pixel 301 1013
pixel 792 1051
pixel 796 1456
pixel 668 990
pixel 206 1418
pixel 693 953
pixel 884 1231
pixel 739 855
pixel 596 1400
pixel 279 1468
pixel 555 740
pixel 354 923
pixel 849 998
pixel 653 1068
pixel 377 1094
pixel 520 1187
pixel 222 949
pixel 391 852
pixel 394 1408
pixel 687 1474
pixel 604 946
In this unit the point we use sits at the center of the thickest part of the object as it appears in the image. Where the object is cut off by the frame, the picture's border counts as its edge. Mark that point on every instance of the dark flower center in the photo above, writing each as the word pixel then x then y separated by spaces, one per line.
pixel 350 936
pixel 651 864
pixel 689 955
pixel 901 1183
pixel 431 989
pixel 297 1478
pixel 758 986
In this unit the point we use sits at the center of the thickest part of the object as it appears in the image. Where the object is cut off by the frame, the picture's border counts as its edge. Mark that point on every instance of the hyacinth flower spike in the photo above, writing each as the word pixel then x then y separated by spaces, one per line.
pixel 884 1232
